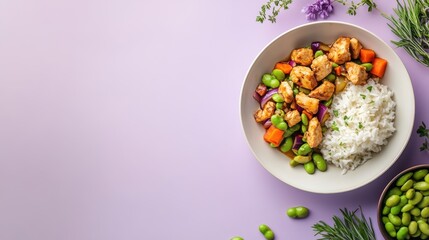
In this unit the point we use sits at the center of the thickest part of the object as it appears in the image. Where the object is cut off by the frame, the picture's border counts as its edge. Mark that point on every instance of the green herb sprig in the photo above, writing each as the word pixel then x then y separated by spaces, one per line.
pixel 271 9
pixel 424 133
pixel 350 226
pixel 411 26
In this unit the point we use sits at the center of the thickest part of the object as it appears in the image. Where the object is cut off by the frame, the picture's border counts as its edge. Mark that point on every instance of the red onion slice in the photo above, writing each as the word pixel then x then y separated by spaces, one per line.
pixel 322 112
pixel 268 96
pixel 297 142
pixel 257 97
pixel 315 46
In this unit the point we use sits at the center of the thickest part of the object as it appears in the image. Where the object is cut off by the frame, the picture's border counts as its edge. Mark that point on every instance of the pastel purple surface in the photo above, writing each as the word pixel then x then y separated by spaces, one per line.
pixel 119 120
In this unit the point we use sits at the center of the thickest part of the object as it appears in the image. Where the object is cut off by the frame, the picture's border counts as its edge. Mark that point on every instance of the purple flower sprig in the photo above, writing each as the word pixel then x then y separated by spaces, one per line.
pixel 320 8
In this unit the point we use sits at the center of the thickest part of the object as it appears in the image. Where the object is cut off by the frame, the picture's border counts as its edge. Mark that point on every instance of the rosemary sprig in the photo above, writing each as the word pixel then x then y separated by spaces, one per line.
pixel 349 227
pixel 411 26
pixel 424 133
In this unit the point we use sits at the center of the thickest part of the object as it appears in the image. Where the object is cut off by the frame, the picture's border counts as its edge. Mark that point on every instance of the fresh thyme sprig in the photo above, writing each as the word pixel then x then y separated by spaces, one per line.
pixel 411 25
pixel 350 227
pixel 423 132
pixel 272 8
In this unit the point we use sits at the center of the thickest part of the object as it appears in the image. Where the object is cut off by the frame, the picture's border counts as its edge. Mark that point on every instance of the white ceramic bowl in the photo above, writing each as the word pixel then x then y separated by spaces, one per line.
pixel 331 181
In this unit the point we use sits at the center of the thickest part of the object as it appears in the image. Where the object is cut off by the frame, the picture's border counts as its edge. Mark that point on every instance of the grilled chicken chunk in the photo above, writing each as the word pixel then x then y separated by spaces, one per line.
pixel 355 47
pixel 340 51
pixel 266 113
pixel 356 73
pixel 321 67
pixel 324 91
pixel 302 56
pixel 292 118
pixel 304 77
pixel 308 103
pixel 286 91
pixel 314 133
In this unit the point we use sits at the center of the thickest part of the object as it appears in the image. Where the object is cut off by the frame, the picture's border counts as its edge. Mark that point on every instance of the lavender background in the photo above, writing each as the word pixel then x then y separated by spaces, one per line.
pixel 119 120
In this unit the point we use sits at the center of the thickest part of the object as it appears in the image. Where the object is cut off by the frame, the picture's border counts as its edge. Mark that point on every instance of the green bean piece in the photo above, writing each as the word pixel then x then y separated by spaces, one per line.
pixel 305 149
pixel 287 145
pixel 278 98
pixel 393 201
pixel 309 167
pixel 368 66
pixel 318 53
pixel 420 174
pixel 402 233
pixel 331 77
pixel 390 229
pixel 304 119
pixel 401 180
pixel 279 74
pixel 320 162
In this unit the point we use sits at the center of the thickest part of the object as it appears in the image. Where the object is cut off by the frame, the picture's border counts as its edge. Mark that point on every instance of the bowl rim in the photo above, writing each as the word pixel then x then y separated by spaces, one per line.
pixel 386 189
pixel 408 130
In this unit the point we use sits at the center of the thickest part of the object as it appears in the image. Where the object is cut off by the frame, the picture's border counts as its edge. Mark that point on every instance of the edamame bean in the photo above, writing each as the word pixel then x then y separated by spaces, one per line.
pixel 279 105
pixel 237 238
pixel 282 126
pixel 304 119
pixel 426 178
pixel 279 74
pixel 403 201
pixel 278 98
pixel 386 210
pixel 424 202
pixel 302 159
pixel 293 163
pixel 328 102
pixel 425 193
pixel 395 220
pixel 334 65
pixel 422 186
pixel 402 233
pixel 412 227
pixel 410 193
pixel 270 81
pixel 415 212
pixel 395 210
pixel 401 180
pixel 390 229
pixel 385 219
pixel 394 191
pixel 408 207
pixel 420 174
pixel 304 90
pixel 309 167
pixel 320 162
pixel 368 66
pixel 295 127
pixel 276 119
pixel 318 53
pixel 287 145
pixel 298 212
pixel 331 77
pixel 269 235
pixel 407 185
pixel 304 149
pixel 303 128
pixel 416 199
pixel 425 212
pixel 406 219
pixel 423 226
pixel 393 200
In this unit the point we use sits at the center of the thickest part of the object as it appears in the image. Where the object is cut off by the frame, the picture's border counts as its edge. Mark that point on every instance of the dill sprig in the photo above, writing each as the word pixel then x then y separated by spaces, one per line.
pixel 349 227
pixel 411 26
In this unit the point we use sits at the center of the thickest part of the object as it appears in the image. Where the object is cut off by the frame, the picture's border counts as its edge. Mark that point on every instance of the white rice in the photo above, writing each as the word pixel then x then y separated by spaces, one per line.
pixel 362 120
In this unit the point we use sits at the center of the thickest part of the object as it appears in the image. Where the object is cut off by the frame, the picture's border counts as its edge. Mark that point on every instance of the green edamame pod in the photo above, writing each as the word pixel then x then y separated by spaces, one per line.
pixel 318 53
pixel 304 149
pixel 401 180
pixel 309 167
pixel 304 119
pixel 279 74
pixel 320 162
pixel 420 174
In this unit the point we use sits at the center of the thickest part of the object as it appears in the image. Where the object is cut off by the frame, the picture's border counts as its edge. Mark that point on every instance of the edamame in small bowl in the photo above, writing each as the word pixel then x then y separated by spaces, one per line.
pixel 281 69
pixel 403 207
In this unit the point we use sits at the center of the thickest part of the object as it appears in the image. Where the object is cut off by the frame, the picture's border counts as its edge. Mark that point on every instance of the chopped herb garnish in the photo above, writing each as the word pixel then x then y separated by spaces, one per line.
pixel 372 102
pixel 363 96
pixel 360 125
pixel 334 127
pixel 423 132
pixel 369 88
pixel 336 113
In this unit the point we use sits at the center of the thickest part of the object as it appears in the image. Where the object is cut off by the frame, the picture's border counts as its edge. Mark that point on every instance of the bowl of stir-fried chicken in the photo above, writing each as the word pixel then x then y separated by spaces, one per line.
pixel 327 107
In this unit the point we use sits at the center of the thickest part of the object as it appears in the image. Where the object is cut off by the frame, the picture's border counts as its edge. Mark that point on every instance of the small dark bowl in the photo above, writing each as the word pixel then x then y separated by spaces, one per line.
pixel 390 185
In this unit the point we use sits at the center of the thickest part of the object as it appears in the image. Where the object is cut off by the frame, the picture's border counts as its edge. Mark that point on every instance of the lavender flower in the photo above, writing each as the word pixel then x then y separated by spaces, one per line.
pixel 321 8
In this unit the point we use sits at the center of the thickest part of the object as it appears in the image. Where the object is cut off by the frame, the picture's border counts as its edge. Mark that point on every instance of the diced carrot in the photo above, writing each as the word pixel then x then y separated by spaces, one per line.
pixel 285 67
pixel 379 67
pixel 338 70
pixel 273 135
pixel 309 115
pixel 366 55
